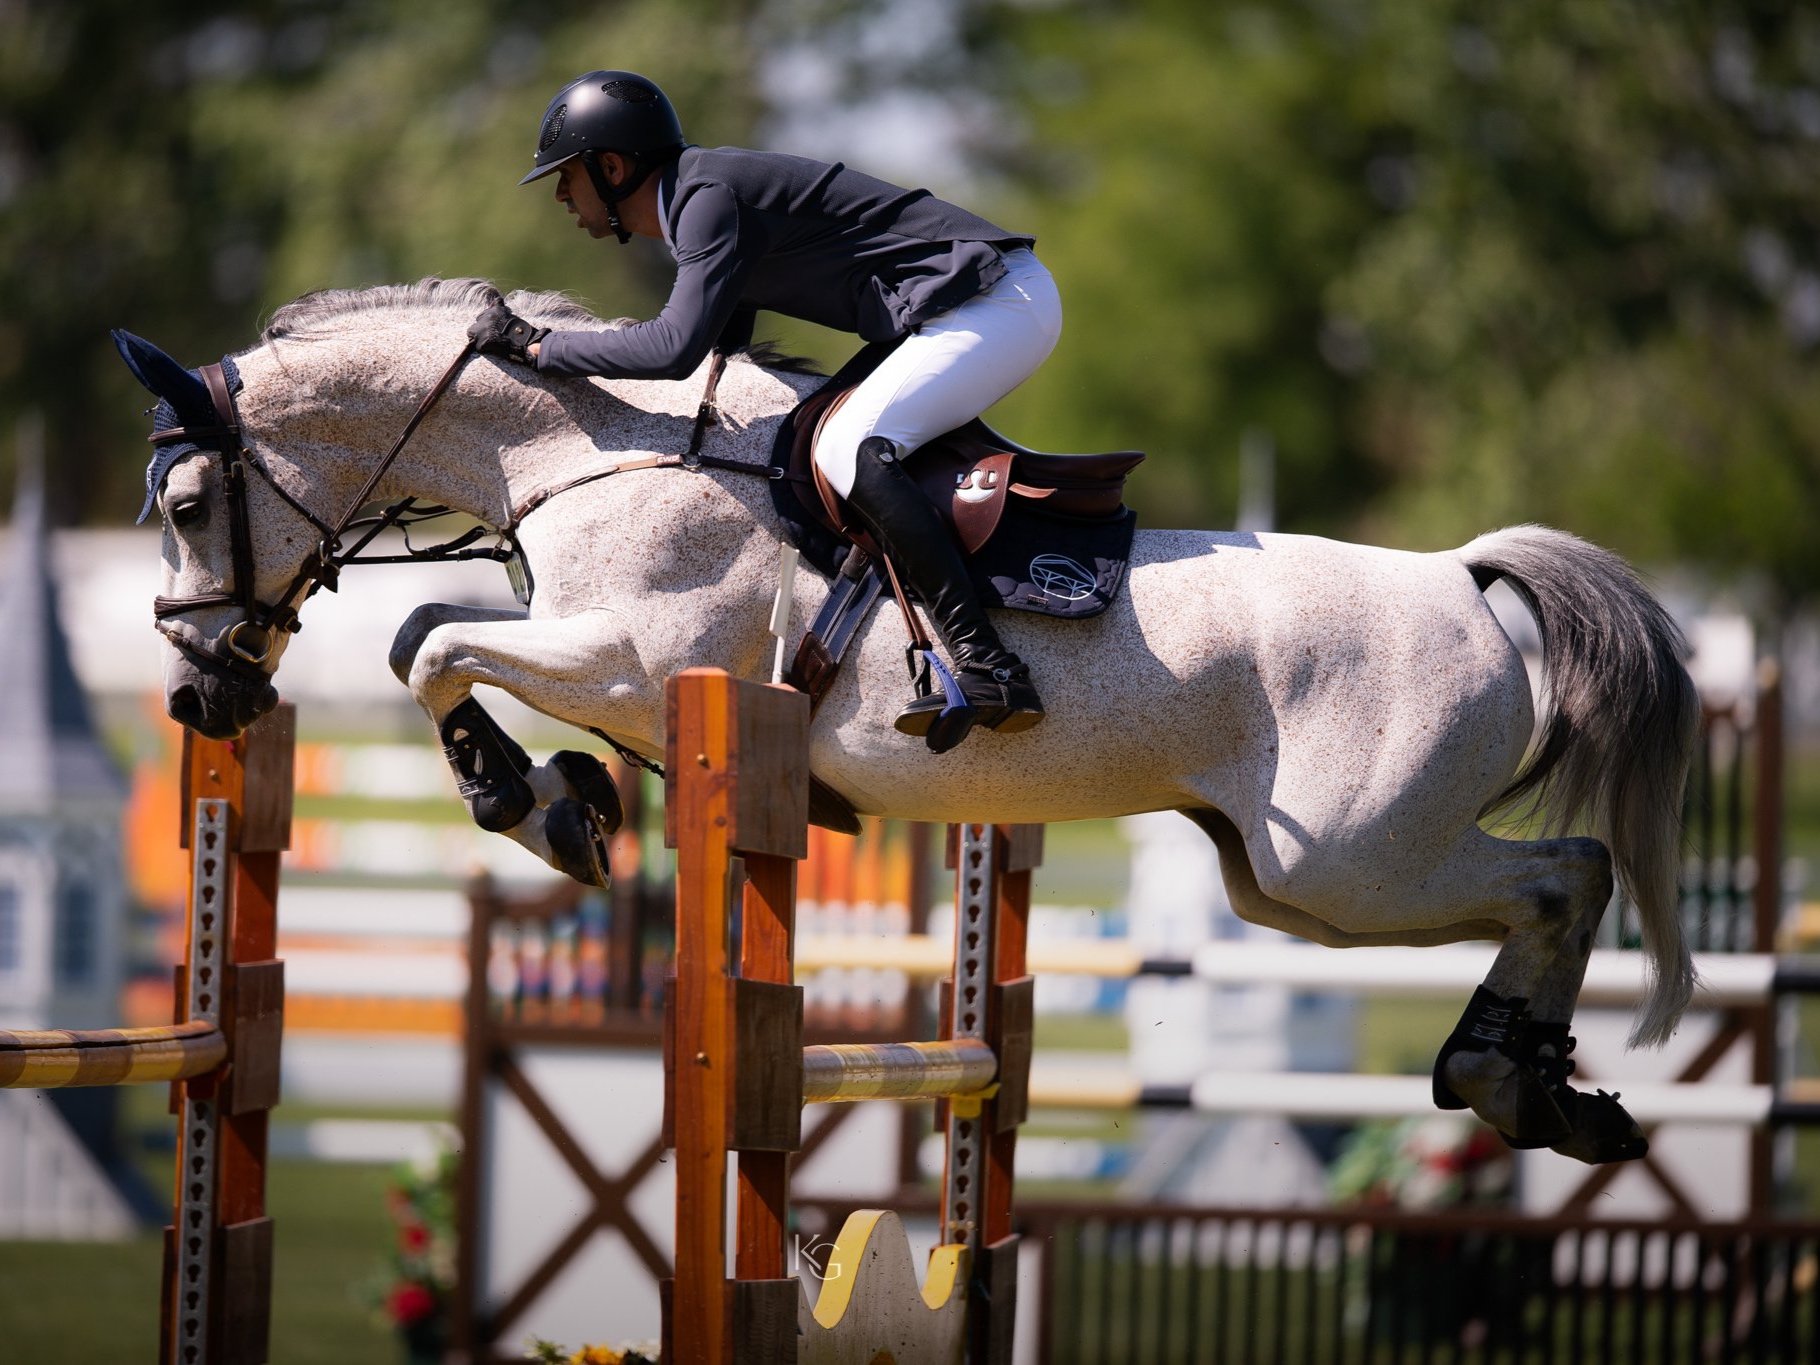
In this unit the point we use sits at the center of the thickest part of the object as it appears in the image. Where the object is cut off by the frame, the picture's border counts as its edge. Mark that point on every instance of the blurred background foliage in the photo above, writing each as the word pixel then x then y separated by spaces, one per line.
pixel 1458 265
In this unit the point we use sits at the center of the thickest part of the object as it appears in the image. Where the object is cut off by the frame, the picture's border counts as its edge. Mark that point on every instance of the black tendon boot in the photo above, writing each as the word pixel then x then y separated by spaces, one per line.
pixel 1494 1024
pixel 994 684
pixel 489 767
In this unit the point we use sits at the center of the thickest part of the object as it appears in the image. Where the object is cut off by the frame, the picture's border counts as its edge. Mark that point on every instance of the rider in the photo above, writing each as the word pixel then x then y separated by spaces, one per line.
pixel 973 311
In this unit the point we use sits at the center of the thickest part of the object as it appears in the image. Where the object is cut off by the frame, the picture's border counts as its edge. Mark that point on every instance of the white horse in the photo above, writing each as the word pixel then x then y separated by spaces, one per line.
pixel 1339 718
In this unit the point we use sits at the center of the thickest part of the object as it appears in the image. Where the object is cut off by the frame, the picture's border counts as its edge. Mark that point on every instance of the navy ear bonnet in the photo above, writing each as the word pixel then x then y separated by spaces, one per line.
pixel 183 400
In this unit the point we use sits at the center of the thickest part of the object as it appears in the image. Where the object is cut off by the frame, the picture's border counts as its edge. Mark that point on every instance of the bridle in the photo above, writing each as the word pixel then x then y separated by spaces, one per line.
pixel 249 641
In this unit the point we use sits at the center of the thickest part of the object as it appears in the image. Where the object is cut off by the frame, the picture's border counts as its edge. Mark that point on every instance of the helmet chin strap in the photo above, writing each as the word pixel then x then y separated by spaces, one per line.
pixel 612 197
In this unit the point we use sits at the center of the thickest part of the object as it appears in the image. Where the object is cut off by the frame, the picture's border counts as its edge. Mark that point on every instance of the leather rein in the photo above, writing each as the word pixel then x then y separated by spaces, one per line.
pixel 707 415
pixel 249 641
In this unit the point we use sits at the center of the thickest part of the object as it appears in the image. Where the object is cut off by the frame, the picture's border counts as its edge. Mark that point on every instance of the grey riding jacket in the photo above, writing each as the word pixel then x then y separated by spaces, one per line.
pixel 808 239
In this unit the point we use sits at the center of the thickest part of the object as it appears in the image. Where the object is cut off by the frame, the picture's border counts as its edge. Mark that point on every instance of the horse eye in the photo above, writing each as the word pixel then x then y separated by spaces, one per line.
pixel 188 512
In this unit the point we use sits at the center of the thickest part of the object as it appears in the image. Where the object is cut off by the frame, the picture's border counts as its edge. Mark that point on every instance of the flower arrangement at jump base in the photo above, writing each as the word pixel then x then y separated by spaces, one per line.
pixel 1437 1161
pixel 549 1353
pixel 414 1296
pixel 1425 1165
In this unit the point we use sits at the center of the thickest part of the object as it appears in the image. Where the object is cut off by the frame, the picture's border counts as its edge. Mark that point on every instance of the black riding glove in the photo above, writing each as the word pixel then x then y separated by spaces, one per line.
pixel 500 331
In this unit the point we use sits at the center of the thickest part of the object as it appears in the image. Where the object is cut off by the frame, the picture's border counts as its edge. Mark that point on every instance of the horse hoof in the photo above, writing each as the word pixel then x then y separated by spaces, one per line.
pixel 589 782
pixel 578 841
pixel 1603 1132
pixel 1538 1118
pixel 1509 1095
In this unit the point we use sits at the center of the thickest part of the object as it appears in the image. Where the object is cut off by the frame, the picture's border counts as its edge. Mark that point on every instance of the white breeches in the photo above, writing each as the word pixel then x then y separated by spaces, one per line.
pixel 950 370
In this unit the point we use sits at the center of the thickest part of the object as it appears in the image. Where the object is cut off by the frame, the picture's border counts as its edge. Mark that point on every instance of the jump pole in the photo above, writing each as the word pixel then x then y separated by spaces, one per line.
pixel 737 1074
pixel 1613 976
pixel 221 1055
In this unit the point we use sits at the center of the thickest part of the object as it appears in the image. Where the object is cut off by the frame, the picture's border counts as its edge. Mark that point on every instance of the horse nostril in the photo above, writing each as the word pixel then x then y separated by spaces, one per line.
pixel 184 705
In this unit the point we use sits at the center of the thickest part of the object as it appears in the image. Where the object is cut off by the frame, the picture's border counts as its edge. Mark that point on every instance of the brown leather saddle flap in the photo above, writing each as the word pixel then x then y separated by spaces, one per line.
pixel 969 473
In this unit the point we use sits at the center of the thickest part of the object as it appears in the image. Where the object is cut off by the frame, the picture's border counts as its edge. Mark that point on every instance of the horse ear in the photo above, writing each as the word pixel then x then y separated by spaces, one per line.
pixel 164 377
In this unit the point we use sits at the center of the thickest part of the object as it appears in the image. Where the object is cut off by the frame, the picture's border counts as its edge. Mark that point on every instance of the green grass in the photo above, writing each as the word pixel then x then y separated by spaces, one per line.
pixel 1081 1032
pixel 1403 1298
pixel 428 810
pixel 1801 832
pixel 334 1234
pixel 78 1304
pixel 332 1240
pixel 1401 1037
pixel 1085 862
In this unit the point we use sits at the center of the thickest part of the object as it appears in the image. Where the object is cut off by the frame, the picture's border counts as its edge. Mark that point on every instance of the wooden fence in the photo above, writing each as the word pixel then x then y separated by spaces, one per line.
pixel 1183 1285
pixel 1338 1287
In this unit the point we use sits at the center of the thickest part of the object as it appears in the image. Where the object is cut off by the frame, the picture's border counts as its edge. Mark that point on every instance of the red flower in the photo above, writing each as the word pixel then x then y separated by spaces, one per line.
pixel 414 1237
pixel 410 1303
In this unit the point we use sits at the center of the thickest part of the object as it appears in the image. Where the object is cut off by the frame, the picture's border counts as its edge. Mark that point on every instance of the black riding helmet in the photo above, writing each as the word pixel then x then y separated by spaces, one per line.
pixel 608 111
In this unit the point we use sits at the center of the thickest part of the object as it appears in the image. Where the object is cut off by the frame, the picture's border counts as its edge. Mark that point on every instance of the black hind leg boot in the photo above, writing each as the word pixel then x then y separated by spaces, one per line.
pixel 1494 1025
pixel 993 683
pixel 1603 1129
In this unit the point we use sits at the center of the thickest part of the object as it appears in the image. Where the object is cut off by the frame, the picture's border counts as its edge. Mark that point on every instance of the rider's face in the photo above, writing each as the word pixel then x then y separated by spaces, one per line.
pixel 575 190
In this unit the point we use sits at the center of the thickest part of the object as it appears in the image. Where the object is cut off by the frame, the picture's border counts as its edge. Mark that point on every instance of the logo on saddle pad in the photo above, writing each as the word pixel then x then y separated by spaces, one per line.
pixel 976 485
pixel 1060 577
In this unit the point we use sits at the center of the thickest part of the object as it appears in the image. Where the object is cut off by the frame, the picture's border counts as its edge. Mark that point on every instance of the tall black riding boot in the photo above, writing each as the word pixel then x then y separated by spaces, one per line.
pixel 994 682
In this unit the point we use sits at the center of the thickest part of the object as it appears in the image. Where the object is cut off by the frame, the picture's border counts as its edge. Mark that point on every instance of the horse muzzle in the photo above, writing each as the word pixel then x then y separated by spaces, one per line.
pixel 207 696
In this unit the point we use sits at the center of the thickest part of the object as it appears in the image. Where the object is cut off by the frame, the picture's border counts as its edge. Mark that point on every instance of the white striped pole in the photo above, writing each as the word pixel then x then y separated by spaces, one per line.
pixel 1322 1095
pixel 1613 977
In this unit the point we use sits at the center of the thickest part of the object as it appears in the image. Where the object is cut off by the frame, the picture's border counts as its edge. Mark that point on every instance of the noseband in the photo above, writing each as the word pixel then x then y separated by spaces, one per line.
pixel 249 641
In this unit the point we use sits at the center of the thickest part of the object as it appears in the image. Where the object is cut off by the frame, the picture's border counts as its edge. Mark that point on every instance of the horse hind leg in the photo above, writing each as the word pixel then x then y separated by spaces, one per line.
pixel 1509 1056
pixel 1253 905
pixel 1603 1130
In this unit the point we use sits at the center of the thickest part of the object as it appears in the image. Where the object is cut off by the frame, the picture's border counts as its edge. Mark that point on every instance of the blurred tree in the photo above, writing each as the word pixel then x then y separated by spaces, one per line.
pixel 1466 264
pixel 96 220
pixel 1461 265
pixel 1196 180
pixel 181 168
pixel 1599 305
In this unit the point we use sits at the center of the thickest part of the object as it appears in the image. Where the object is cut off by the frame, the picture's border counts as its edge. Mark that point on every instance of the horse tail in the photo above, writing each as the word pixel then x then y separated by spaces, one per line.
pixel 1619 716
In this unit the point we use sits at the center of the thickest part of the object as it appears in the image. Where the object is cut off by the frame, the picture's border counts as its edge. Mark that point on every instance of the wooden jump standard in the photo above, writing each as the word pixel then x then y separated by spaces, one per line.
pixel 221 1054
pixel 738 1074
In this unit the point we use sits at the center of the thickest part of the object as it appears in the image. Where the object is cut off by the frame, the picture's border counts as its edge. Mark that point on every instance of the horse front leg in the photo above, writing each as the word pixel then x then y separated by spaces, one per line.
pixel 565 810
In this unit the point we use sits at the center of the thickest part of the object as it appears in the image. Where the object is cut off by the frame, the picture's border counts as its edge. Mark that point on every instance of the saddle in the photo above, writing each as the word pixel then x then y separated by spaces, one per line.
pixel 1040 532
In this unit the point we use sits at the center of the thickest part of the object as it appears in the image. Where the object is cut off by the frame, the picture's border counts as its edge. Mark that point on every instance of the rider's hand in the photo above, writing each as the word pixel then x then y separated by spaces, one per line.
pixel 500 331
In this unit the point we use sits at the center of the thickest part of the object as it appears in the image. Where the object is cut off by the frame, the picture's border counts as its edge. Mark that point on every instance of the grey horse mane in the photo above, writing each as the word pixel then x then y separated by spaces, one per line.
pixel 324 311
